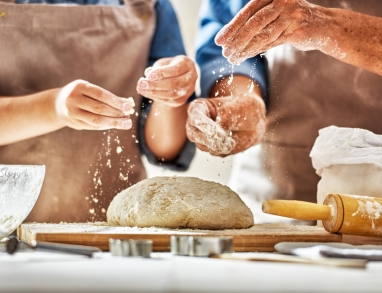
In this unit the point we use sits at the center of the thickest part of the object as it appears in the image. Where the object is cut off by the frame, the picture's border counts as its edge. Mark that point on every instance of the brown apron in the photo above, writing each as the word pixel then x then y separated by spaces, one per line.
pixel 309 91
pixel 48 46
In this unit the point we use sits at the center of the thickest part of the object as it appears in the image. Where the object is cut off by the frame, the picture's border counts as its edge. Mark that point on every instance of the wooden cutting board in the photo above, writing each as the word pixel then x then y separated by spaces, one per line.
pixel 262 237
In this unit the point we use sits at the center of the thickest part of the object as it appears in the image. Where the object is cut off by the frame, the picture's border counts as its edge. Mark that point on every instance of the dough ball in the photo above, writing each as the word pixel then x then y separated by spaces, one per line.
pixel 179 202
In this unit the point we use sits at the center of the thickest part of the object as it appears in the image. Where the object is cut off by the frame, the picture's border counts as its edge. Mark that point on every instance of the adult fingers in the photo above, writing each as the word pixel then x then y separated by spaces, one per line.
pixel 213 145
pixel 253 49
pixel 229 30
pixel 199 117
pixel 246 139
pixel 207 150
pixel 251 29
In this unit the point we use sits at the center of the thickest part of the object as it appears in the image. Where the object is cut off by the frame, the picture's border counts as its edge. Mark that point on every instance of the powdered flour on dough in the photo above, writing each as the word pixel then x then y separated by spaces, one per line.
pixel 179 202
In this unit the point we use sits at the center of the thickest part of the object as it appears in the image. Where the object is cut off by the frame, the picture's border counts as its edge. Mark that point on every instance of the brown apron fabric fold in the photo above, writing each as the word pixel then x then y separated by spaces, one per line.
pixel 48 46
pixel 309 91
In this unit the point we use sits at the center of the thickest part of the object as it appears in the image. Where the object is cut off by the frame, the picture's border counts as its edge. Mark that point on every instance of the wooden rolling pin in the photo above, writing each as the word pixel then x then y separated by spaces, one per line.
pixel 340 213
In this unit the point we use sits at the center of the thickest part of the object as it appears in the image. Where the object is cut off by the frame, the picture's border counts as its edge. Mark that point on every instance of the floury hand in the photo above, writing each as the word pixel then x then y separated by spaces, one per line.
pixel 203 129
pixel 226 125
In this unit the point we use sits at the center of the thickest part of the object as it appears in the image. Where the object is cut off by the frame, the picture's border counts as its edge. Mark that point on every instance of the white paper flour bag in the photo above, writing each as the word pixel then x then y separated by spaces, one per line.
pixel 349 161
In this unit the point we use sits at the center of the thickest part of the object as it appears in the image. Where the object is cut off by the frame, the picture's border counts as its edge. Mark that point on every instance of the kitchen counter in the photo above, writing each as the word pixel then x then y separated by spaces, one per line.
pixel 50 272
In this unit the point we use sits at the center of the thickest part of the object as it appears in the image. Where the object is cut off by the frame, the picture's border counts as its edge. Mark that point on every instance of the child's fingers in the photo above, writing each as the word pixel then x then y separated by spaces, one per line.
pixel 163 61
pixel 93 106
pixel 99 94
pixel 159 63
pixel 172 98
pixel 94 121
pixel 178 66
pixel 184 81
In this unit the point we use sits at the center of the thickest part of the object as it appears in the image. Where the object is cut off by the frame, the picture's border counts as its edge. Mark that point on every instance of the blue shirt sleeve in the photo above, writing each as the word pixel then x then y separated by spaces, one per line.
pixel 167 42
pixel 214 14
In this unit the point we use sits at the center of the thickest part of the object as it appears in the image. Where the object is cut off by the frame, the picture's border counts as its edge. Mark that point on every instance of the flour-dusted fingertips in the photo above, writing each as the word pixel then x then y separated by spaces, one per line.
pixel 128 106
pixel 131 101
pixel 127 110
pixel 228 146
pixel 142 84
pixel 147 71
pixel 227 52
pixel 127 124
pixel 220 39
pixel 153 76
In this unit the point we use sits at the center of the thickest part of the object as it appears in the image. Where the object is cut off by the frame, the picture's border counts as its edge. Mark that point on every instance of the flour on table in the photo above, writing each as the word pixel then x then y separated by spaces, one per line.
pixel 179 202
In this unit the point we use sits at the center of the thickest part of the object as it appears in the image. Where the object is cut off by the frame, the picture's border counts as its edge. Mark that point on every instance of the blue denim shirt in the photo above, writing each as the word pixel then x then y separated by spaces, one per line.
pixel 167 42
pixel 214 14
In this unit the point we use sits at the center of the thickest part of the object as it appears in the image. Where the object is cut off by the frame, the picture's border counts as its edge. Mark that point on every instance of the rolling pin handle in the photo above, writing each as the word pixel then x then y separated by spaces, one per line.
pixel 297 209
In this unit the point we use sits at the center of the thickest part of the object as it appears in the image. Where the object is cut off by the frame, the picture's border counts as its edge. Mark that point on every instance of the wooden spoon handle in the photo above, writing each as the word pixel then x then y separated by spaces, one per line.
pixel 297 209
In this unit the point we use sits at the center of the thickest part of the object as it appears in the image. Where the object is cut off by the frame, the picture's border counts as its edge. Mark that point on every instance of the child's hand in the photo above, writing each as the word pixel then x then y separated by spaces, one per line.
pixel 82 105
pixel 170 81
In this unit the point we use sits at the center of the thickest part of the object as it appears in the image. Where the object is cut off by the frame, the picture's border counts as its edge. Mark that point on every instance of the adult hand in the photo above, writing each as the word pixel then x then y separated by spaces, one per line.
pixel 170 81
pixel 226 125
pixel 82 105
pixel 264 24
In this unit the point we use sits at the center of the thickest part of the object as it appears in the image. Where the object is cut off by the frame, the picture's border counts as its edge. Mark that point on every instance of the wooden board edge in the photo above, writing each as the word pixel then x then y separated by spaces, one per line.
pixel 25 234
pixel 161 243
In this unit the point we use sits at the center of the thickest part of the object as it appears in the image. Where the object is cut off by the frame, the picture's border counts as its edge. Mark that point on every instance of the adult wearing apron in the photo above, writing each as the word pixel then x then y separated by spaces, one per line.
pixel 104 49
pixel 307 90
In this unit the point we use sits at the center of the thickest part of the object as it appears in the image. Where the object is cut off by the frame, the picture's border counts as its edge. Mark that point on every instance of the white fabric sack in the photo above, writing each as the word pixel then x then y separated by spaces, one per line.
pixel 340 145
pixel 349 161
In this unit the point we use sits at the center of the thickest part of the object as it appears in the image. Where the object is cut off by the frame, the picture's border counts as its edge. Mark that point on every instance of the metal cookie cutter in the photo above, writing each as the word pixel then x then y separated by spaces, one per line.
pixel 142 248
pixel 201 246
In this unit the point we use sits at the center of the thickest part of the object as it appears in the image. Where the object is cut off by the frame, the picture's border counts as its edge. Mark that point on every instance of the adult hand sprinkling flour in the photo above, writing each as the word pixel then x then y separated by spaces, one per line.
pixel 302 86
pixel 351 37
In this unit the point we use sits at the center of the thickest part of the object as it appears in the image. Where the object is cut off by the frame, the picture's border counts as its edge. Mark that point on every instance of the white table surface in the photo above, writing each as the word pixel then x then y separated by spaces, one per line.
pixel 48 272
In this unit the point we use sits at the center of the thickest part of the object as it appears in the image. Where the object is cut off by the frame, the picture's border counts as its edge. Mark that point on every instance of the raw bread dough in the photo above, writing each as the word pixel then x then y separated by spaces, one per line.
pixel 179 202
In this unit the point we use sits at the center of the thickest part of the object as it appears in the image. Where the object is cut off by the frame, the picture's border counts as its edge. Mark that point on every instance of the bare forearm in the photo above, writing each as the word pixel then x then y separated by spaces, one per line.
pixel 351 37
pixel 27 116
pixel 165 130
